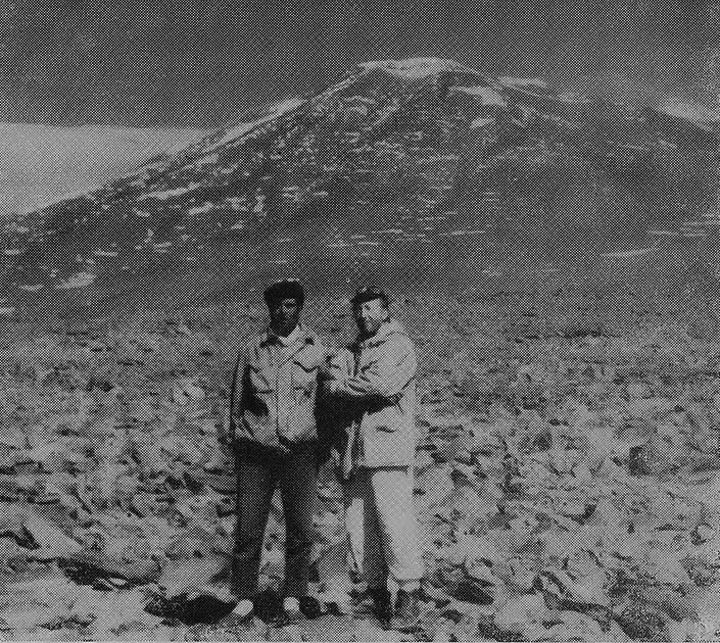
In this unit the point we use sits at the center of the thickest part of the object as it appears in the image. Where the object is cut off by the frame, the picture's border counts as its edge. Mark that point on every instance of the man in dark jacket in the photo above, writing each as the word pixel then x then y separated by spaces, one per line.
pixel 273 429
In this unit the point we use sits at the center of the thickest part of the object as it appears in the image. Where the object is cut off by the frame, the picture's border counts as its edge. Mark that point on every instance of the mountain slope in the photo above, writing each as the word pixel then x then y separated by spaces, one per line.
pixel 418 171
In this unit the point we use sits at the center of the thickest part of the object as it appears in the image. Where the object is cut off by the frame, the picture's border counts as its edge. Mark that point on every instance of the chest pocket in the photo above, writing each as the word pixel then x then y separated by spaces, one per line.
pixel 260 377
pixel 304 372
pixel 368 361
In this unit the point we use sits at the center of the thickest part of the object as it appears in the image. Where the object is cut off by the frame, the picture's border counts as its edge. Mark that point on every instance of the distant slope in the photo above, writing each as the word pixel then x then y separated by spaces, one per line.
pixel 41 163
pixel 420 171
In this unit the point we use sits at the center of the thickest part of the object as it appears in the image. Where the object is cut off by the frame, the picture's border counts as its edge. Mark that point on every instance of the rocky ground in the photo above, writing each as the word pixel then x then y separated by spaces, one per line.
pixel 566 481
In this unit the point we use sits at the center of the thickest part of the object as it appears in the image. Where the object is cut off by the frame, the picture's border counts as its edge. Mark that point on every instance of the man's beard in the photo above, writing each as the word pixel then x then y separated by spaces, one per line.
pixel 283 327
pixel 368 329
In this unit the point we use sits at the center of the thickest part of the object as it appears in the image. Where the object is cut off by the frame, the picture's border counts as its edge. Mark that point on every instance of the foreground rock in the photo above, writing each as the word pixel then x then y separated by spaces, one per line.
pixel 561 496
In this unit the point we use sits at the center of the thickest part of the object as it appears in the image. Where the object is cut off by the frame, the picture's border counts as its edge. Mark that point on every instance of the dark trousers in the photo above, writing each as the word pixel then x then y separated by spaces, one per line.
pixel 258 474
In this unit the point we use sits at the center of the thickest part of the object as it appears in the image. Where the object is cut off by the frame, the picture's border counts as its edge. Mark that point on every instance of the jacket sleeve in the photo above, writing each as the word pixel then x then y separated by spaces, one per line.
pixel 332 418
pixel 339 366
pixel 238 393
pixel 385 378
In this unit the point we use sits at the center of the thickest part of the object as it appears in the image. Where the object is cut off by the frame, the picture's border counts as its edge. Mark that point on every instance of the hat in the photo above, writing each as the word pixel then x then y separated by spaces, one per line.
pixel 368 293
pixel 285 289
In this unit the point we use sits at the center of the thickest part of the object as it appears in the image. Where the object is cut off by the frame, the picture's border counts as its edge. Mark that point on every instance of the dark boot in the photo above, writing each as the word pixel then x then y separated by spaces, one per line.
pixel 407 611
pixel 382 600
pixel 233 620
pixel 269 607
pixel 310 607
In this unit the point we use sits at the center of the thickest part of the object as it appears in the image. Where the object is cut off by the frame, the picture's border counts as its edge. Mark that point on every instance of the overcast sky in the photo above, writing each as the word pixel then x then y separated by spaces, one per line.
pixel 196 62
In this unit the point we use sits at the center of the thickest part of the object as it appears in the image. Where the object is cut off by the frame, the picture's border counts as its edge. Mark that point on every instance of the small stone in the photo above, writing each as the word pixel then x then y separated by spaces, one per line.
pixel 516 613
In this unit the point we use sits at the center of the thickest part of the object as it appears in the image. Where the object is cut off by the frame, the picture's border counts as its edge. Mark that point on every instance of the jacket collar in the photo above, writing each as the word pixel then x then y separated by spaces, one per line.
pixel 386 329
pixel 305 336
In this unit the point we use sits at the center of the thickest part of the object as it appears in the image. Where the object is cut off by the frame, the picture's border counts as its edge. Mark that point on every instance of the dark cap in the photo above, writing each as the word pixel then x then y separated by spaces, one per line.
pixel 285 289
pixel 368 293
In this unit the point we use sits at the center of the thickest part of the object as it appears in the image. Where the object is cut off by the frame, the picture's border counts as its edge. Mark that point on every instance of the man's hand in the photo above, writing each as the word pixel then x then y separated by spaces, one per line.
pixel 220 463
pixel 325 374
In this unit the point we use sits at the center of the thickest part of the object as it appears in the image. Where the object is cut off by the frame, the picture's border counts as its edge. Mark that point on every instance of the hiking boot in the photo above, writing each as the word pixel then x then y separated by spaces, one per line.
pixel 310 607
pixel 382 600
pixel 295 609
pixel 407 610
pixel 242 615
pixel 290 613
pixel 269 607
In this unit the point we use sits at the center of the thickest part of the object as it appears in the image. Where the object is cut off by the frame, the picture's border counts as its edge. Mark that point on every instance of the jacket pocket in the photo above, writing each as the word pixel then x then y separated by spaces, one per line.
pixel 304 374
pixel 259 381
pixel 385 420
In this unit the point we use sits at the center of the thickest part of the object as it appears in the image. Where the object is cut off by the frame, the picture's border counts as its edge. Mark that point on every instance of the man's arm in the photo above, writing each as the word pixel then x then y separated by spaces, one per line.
pixel 337 366
pixel 386 378
pixel 238 394
pixel 332 418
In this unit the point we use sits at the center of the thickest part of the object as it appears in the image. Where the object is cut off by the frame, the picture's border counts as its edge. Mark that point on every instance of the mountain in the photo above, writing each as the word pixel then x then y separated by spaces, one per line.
pixel 414 172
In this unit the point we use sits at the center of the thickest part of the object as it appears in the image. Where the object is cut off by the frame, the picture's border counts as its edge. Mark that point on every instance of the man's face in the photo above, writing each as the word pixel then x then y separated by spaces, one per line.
pixel 369 316
pixel 284 315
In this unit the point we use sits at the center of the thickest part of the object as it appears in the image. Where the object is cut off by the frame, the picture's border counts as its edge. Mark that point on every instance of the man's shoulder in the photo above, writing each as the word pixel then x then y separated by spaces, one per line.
pixel 397 336
pixel 253 344
pixel 400 345
pixel 310 336
pixel 313 341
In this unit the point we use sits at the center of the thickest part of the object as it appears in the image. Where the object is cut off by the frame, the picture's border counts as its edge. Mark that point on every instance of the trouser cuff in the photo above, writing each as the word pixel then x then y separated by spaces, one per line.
pixel 409 585
pixel 295 590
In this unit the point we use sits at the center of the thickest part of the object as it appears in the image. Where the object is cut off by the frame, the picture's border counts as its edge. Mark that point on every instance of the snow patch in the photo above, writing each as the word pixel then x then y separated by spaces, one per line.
pixel 201 209
pixel 688 110
pixel 573 97
pixel 78 280
pixel 414 68
pixel 32 287
pixel 481 122
pixel 168 194
pixel 486 94
pixel 237 203
pixel 205 160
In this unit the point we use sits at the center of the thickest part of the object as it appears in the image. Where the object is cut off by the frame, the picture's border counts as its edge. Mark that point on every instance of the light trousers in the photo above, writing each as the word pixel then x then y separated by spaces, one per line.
pixel 382 528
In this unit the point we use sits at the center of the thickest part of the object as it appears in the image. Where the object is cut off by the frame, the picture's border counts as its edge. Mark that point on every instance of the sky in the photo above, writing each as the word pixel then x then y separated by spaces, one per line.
pixel 199 62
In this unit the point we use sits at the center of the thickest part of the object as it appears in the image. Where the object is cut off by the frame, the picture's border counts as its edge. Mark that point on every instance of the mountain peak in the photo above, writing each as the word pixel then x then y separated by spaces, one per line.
pixel 420 162
pixel 414 68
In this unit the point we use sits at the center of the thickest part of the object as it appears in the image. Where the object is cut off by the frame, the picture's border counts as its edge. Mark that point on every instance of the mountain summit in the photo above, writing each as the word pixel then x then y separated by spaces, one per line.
pixel 415 170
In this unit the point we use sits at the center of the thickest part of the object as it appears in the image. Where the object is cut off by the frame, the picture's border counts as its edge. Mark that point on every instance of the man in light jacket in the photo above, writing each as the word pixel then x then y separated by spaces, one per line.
pixel 372 383
pixel 273 429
